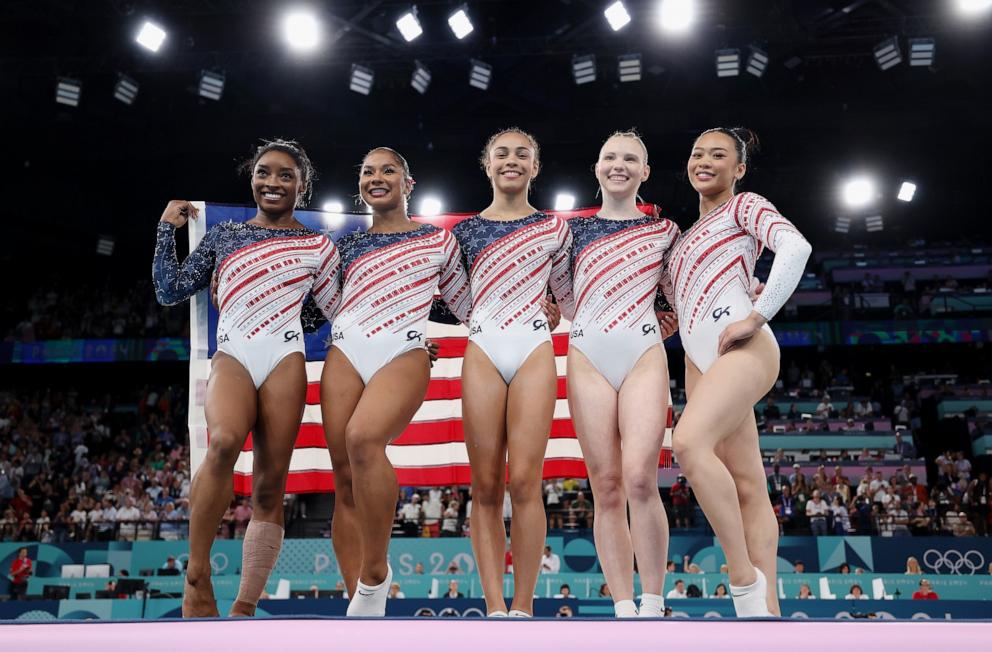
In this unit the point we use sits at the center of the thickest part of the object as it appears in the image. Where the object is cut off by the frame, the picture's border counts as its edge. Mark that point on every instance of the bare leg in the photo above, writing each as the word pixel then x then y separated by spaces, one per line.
pixel 388 403
pixel 643 412
pixel 722 399
pixel 484 396
pixel 742 456
pixel 231 404
pixel 530 408
pixel 340 390
pixel 281 399
pixel 592 402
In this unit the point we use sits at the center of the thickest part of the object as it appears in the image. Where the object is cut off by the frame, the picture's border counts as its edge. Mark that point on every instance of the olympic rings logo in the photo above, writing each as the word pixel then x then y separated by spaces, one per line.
pixel 954 561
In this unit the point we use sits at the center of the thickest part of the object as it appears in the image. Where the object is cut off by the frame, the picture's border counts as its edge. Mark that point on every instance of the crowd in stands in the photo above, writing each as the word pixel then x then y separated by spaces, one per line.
pixel 67 309
pixel 81 467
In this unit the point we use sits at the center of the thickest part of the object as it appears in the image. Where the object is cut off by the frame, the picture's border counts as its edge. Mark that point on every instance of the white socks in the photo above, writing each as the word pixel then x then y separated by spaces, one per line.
pixel 516 613
pixel 652 606
pixel 496 614
pixel 371 600
pixel 749 601
pixel 625 609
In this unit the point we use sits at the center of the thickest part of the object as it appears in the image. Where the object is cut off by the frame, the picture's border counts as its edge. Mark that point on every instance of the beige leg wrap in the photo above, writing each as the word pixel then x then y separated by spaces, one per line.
pixel 259 553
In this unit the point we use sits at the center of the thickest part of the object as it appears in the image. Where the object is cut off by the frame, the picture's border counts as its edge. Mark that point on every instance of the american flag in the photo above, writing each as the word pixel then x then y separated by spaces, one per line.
pixel 431 451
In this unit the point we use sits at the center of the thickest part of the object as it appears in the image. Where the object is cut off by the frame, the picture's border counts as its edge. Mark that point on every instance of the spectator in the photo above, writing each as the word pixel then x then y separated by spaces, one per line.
pixel 776 481
pixel 604 591
pixel 825 409
pixel 925 592
pixel 799 566
pixel 418 568
pixel 816 512
pixel 564 591
pixel 394 591
pixel 411 513
pixel 20 571
pixel 453 591
pixel 582 510
pixel 913 566
pixel 682 502
pixel 678 591
pixel 961 526
pixel 433 510
pixel 904 449
pixel 550 562
pixel 564 611
pixel 785 508
pixel 449 525
pixel 805 593
pixel 172 566
pixel 771 411
pixel 856 593
pixel 721 591
pixel 842 521
pixel 242 516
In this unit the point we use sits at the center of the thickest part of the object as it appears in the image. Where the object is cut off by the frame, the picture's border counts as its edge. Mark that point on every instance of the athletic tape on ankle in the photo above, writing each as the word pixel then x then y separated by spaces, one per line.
pixel 259 553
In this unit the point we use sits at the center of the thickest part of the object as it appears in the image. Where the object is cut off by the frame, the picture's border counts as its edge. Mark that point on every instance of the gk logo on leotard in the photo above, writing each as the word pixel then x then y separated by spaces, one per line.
pixel 290 336
pixel 540 324
pixel 720 312
pixel 648 328
pixel 414 335
pixel 224 339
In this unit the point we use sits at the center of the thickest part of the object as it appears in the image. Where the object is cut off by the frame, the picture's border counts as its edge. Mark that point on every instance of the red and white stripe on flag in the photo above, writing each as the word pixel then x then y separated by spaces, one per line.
pixel 430 452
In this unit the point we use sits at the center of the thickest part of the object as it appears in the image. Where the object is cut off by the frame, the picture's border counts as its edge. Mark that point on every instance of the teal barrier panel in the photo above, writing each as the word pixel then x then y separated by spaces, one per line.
pixel 959 406
pixel 829 441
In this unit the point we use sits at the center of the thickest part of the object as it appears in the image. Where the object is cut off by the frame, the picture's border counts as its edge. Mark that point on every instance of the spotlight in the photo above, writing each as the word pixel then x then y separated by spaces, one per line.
pixel 125 90
pixel 430 206
pixel 584 68
pixel 460 23
pixel 67 91
pixel 874 224
pixel 301 31
pixel 211 84
pixel 858 192
pixel 921 51
pixel 728 63
pixel 421 78
pixel 409 25
pixel 480 75
pixel 617 15
pixel 105 245
pixel 757 62
pixel 150 36
pixel 332 206
pixel 564 201
pixel 676 15
pixel 888 54
pixel 842 224
pixel 973 6
pixel 906 191
pixel 629 67
pixel 361 79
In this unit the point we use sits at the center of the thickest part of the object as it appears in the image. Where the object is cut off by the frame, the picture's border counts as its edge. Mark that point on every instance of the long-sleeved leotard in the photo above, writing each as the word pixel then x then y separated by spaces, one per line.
pixel 389 281
pixel 511 264
pixel 263 277
pixel 616 270
pixel 712 264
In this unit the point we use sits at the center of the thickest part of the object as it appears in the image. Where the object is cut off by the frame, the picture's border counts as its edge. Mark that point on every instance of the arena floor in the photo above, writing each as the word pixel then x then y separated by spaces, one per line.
pixel 438 635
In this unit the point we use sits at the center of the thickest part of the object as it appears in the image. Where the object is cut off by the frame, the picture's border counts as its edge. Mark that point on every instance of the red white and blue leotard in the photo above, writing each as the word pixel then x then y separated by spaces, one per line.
pixel 389 281
pixel 511 263
pixel 712 264
pixel 263 277
pixel 616 270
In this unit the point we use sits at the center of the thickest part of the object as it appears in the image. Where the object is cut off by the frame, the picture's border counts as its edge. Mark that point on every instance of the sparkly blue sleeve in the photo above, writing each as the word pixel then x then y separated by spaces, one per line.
pixel 175 282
